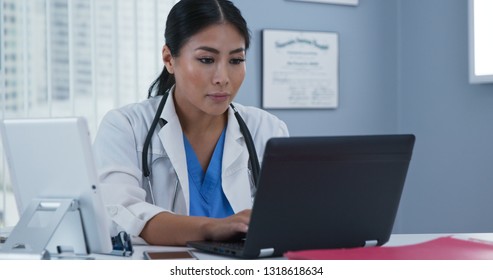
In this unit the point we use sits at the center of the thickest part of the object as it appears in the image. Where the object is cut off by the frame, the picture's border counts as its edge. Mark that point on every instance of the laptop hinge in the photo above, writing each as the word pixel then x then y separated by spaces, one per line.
pixel 371 243
pixel 266 252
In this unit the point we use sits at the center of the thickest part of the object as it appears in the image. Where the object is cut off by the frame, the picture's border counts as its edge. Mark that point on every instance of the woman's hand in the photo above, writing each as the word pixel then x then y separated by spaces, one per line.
pixel 171 230
pixel 230 227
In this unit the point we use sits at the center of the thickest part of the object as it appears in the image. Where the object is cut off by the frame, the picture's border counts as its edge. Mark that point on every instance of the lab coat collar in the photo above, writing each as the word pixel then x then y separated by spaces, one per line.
pixel 172 141
pixel 232 144
pixel 235 156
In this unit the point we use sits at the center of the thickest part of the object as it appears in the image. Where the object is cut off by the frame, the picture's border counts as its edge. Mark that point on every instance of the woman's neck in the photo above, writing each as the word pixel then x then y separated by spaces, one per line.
pixel 202 131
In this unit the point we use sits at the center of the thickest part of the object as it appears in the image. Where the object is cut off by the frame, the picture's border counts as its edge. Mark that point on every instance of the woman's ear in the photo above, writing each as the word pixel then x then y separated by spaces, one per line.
pixel 168 59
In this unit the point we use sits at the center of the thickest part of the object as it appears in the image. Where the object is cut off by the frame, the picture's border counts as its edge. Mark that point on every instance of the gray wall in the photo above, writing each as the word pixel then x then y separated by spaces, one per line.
pixel 450 187
pixel 403 69
pixel 367 76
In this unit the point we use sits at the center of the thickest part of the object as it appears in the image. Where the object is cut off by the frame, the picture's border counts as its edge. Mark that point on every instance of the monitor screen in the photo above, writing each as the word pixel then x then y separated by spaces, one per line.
pixel 51 160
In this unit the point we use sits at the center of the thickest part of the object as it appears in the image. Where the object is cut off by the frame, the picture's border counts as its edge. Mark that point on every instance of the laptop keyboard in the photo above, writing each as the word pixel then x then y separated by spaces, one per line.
pixel 235 245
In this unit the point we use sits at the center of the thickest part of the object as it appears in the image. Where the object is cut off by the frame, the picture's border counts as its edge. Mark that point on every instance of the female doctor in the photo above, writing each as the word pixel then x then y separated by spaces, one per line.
pixel 194 178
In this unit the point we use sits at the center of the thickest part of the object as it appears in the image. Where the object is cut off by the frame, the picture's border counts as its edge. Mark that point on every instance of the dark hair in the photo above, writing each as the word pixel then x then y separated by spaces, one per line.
pixel 189 17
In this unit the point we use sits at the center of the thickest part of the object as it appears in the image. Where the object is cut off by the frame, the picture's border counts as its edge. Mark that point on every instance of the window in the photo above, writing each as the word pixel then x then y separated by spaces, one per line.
pixel 480 41
pixel 75 58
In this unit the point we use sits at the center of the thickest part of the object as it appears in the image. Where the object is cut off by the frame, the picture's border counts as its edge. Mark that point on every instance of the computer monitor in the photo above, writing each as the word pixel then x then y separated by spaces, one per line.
pixel 52 167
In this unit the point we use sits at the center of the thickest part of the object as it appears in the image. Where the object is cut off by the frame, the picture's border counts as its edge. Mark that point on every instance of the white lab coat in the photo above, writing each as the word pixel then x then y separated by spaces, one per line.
pixel 118 153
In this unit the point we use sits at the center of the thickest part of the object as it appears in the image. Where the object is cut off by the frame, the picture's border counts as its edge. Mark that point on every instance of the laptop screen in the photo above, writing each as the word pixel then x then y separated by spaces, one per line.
pixel 326 192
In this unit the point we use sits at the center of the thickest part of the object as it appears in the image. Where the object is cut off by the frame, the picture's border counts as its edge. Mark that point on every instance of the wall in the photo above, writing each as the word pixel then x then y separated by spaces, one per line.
pixel 403 68
pixel 450 185
pixel 367 60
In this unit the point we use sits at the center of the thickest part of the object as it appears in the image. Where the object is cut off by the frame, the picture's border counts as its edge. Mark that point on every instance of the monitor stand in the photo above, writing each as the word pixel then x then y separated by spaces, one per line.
pixel 30 238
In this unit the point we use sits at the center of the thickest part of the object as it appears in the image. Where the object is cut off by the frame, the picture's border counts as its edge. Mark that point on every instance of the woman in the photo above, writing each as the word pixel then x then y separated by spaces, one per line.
pixel 200 184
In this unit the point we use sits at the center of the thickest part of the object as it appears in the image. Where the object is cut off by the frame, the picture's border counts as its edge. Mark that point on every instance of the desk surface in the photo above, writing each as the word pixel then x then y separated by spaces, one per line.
pixel 395 240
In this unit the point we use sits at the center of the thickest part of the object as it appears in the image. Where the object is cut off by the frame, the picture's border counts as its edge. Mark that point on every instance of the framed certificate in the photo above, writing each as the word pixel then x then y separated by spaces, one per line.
pixel 339 2
pixel 300 69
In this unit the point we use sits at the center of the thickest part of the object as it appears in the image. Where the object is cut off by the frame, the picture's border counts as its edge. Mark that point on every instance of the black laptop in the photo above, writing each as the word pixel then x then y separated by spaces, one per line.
pixel 323 192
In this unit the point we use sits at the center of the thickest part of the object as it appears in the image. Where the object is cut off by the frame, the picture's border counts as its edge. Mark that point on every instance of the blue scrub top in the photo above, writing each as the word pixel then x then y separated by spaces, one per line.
pixel 207 198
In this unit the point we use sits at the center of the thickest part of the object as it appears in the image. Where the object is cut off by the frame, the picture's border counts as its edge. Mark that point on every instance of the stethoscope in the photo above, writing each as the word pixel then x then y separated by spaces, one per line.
pixel 253 159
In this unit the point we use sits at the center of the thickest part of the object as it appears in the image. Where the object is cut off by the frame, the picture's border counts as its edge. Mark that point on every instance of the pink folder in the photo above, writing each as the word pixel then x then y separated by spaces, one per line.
pixel 443 248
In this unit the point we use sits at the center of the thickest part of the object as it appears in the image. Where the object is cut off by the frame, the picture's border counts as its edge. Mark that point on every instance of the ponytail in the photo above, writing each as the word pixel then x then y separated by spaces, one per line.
pixel 163 83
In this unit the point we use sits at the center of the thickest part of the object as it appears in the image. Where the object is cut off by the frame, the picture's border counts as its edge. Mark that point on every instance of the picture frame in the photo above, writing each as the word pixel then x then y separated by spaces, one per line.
pixel 338 2
pixel 300 69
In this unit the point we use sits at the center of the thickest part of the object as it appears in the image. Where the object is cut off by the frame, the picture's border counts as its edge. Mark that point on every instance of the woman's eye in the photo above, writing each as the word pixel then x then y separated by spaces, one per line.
pixel 237 60
pixel 206 60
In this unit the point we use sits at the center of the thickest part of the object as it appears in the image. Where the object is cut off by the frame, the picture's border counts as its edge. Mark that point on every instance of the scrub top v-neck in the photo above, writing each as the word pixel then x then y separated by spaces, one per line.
pixel 207 198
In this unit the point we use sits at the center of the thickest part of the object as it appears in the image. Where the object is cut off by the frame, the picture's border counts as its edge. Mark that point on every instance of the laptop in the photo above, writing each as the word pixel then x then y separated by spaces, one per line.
pixel 323 192
pixel 50 160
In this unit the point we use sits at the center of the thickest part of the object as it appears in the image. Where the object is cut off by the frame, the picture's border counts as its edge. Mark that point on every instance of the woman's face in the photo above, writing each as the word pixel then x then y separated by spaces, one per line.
pixel 209 70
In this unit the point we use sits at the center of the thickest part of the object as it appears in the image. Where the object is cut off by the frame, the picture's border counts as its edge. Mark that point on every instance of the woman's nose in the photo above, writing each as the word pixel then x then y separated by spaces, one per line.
pixel 221 75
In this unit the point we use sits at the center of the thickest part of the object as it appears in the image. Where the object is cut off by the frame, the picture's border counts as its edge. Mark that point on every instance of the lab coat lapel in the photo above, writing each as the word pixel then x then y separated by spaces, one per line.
pixel 236 187
pixel 171 136
pixel 232 144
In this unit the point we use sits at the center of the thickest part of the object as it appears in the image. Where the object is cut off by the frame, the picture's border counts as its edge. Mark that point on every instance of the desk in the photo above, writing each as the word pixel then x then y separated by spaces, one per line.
pixel 261 269
pixel 395 240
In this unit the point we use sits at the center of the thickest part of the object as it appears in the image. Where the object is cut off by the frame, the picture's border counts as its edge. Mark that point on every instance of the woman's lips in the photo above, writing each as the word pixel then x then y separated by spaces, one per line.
pixel 219 97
